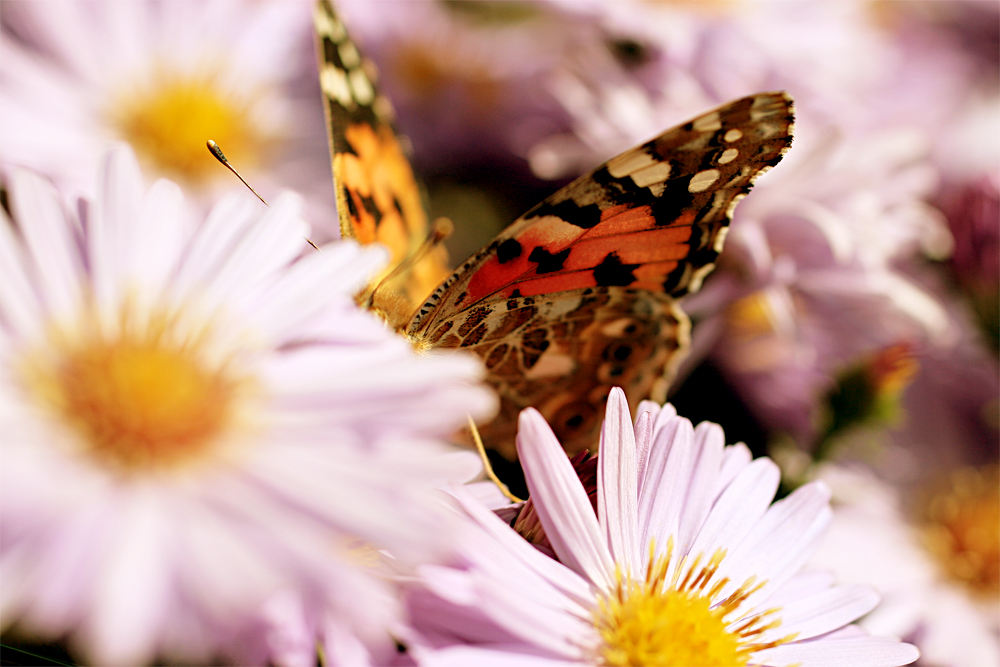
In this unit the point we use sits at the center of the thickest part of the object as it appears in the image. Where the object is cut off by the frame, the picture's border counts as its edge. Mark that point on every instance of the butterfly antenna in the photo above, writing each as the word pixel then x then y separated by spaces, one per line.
pixel 487 466
pixel 216 151
pixel 221 157
pixel 440 229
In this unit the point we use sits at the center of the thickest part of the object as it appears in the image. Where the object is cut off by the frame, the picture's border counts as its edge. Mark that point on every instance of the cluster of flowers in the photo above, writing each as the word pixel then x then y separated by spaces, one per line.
pixel 211 453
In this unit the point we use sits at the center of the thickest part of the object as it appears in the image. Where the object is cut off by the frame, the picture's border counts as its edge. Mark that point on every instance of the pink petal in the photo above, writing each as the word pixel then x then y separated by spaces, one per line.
pixel 561 502
pixel 662 502
pixel 617 499
pixel 867 652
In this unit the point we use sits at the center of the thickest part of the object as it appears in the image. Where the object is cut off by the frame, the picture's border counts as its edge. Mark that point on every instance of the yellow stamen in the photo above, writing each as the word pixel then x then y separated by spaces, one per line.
pixel 169 124
pixel 962 528
pixel 678 622
pixel 142 399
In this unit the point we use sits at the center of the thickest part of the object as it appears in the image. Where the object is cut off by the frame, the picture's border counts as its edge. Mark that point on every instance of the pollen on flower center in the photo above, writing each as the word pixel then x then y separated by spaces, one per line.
pixel 169 125
pixel 962 528
pixel 653 622
pixel 141 400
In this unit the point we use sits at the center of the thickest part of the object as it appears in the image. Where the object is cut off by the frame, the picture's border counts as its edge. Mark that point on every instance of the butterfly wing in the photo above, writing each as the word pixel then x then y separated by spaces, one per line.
pixel 561 353
pixel 636 233
pixel 378 198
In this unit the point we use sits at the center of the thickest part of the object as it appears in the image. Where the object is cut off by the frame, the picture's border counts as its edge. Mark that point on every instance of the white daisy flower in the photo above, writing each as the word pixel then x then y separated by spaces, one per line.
pixel 925 598
pixel 197 416
pixel 686 562
pixel 166 77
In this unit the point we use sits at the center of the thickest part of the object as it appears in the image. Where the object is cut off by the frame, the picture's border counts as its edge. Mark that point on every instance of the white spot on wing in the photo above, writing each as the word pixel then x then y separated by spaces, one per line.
pixel 630 162
pixel 728 155
pixel 334 83
pixel 655 173
pixel 708 123
pixel 364 93
pixel 349 55
pixel 733 135
pixel 703 180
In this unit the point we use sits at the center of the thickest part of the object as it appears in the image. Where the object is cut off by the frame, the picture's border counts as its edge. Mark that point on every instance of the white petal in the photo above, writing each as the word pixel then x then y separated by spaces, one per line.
pixel 667 477
pixel 561 502
pixel 824 612
pixel 560 576
pixel 643 438
pixel 867 652
pixel 48 237
pixel 708 452
pixel 340 267
pixel 160 236
pixel 738 508
pixel 113 227
pixel 270 243
pixel 135 587
pixel 617 501
pixel 214 239
pixel 490 656
pixel 781 542
pixel 19 308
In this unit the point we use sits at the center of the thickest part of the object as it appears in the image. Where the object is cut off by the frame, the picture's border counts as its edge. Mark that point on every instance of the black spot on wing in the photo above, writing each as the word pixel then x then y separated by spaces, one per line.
pixel 584 217
pixel 508 250
pixel 611 271
pixel 548 262
pixel 673 201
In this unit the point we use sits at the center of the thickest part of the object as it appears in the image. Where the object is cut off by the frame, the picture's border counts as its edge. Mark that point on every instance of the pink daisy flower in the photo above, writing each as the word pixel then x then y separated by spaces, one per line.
pixel 686 562
pixel 197 417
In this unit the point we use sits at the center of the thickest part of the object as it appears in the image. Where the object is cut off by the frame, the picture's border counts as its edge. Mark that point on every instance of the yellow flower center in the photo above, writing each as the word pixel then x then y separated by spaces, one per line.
pixel 679 623
pixel 142 400
pixel 963 530
pixel 170 122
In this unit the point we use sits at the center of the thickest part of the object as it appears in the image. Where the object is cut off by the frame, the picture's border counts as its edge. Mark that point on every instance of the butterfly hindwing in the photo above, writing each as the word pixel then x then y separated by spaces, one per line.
pixel 378 198
pixel 562 354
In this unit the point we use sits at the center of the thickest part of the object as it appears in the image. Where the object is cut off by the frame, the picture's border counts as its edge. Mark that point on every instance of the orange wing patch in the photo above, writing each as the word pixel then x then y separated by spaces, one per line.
pixel 378 198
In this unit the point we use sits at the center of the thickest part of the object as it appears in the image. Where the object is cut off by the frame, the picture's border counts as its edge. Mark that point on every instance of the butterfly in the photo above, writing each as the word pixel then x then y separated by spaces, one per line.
pixel 581 293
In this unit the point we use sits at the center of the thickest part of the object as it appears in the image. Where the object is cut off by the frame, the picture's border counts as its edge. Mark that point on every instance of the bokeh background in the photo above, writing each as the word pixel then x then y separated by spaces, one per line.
pixel 850 330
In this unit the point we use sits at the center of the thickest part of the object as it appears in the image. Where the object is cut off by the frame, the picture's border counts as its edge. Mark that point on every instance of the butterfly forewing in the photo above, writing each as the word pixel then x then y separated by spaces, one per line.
pixel 378 198
pixel 651 218
pixel 579 294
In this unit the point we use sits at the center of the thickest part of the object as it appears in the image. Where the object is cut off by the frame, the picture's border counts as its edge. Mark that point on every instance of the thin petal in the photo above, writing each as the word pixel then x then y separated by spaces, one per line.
pixel 617 500
pixel 48 238
pixel 561 502
pixel 867 652
pixel 708 451
pixel 781 542
pixel 667 477
pixel 824 612
pixel 738 508
pixel 19 307
pixel 113 228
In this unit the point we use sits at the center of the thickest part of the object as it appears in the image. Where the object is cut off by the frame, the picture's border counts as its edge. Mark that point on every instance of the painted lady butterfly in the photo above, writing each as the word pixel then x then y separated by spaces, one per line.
pixel 579 294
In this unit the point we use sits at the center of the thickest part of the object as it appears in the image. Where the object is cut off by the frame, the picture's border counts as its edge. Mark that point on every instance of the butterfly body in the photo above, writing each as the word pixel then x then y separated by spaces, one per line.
pixel 580 294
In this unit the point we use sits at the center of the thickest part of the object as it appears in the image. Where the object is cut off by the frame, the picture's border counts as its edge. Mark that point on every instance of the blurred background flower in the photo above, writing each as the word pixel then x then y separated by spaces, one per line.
pixel 166 76
pixel 198 417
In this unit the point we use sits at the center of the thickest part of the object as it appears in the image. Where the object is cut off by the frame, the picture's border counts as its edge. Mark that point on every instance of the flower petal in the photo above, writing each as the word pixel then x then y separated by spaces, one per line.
pixel 617 496
pixel 561 502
